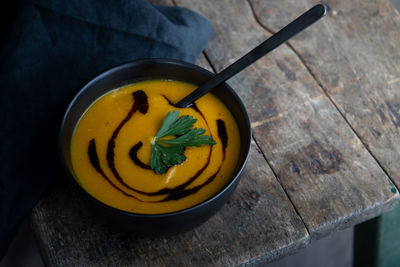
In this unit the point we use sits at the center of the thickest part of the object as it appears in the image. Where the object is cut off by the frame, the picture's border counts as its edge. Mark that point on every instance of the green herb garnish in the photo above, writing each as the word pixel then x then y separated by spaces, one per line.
pixel 167 151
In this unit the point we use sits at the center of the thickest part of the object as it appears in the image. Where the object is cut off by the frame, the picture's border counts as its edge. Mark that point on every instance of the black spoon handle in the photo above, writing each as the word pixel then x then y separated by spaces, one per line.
pixel 296 26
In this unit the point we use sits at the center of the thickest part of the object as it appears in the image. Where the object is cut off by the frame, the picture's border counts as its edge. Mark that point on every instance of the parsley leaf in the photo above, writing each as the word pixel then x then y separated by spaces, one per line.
pixel 168 152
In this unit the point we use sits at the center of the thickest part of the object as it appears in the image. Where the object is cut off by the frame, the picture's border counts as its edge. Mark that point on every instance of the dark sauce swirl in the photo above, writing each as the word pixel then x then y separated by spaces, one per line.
pixel 94 160
pixel 140 104
pixel 178 194
pixel 134 157
pixel 222 135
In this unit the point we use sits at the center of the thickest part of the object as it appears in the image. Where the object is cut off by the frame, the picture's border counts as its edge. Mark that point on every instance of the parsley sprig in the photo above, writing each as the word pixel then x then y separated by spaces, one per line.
pixel 167 152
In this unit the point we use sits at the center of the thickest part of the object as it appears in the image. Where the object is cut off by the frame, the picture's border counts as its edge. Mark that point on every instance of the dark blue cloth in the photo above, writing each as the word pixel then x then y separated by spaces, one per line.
pixel 49 50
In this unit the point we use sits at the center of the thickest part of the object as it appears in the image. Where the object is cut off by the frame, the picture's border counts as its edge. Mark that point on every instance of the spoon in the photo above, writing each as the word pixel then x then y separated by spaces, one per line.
pixel 293 28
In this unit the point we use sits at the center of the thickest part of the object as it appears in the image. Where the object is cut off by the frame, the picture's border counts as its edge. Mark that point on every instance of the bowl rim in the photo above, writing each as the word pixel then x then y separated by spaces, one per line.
pixel 172 62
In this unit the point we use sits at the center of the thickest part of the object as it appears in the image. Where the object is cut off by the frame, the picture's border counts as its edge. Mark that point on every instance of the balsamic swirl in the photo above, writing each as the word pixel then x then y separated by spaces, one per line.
pixel 134 157
pixel 140 104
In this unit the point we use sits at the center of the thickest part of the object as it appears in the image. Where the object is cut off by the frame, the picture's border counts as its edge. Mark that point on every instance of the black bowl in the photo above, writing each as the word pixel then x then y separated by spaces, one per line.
pixel 153 69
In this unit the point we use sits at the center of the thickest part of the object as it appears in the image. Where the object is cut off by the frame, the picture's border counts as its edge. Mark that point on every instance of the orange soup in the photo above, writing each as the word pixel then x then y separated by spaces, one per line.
pixel 112 144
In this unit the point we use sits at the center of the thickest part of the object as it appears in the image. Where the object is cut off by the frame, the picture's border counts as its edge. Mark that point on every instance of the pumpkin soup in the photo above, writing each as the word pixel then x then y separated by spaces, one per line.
pixel 111 149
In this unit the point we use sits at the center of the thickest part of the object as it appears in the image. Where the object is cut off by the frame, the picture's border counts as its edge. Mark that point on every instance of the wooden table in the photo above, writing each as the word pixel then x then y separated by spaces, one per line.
pixel 325 112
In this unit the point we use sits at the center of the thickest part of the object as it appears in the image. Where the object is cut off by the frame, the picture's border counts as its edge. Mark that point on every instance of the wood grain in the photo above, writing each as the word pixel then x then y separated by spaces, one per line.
pixel 354 54
pixel 258 224
pixel 331 178
pixel 301 99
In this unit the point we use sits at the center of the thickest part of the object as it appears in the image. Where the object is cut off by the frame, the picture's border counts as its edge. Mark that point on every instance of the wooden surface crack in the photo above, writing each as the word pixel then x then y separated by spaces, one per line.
pixel 209 62
pixel 324 91
pixel 281 184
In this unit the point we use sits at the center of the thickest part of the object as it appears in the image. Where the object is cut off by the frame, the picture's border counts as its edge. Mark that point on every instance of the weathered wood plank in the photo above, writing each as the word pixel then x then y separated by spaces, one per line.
pixel 354 54
pixel 258 224
pixel 330 177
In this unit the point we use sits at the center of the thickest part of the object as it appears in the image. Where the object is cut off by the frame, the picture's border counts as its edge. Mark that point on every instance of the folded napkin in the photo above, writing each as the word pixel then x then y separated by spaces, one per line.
pixel 50 49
